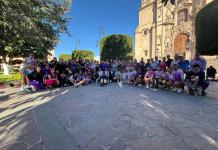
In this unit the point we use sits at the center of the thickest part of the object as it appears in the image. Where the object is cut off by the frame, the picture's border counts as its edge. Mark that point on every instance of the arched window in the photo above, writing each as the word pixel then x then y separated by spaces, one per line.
pixel 182 16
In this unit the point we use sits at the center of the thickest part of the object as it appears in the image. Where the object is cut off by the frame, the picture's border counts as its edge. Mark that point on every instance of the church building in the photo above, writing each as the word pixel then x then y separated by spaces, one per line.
pixel 166 30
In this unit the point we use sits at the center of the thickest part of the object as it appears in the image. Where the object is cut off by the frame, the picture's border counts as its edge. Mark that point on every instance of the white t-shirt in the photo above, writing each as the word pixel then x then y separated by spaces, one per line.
pixel 100 73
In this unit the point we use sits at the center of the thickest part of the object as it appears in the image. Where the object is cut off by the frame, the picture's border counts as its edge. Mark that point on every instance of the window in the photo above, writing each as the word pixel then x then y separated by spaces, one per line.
pixel 182 16
pixel 173 15
pixel 145 32
pixel 145 53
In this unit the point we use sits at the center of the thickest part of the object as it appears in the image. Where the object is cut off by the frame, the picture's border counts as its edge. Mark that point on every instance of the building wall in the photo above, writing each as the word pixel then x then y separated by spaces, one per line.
pixel 159 26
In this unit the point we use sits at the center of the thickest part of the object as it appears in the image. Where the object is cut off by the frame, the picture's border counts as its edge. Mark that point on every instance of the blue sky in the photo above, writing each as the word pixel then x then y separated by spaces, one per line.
pixel 116 17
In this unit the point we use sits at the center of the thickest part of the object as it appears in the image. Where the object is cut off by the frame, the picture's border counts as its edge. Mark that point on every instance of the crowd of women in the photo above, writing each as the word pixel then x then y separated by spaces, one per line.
pixel 175 74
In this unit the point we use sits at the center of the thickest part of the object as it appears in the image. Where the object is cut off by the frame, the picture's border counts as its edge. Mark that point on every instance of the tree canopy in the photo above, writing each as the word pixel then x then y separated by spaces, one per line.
pixel 65 57
pixel 83 54
pixel 31 26
pixel 116 46
pixel 207 29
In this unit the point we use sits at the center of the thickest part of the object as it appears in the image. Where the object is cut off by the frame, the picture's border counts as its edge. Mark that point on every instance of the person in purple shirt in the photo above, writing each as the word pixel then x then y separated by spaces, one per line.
pixel 139 78
pixel 104 65
pixel 80 76
pixel 178 78
pixel 46 70
pixel 157 77
pixel 80 79
pixel 72 66
pixel 199 61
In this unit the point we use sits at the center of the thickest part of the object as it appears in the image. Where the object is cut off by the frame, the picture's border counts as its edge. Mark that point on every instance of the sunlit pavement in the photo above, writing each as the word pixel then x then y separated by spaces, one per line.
pixel 116 117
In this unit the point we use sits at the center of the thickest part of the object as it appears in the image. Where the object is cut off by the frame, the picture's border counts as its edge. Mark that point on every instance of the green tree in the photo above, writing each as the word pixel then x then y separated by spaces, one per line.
pixel 207 29
pixel 116 46
pixel 83 54
pixel 31 26
pixel 65 57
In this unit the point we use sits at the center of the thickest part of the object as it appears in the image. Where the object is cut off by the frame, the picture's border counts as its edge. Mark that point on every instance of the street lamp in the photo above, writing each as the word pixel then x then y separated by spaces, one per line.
pixel 77 43
pixel 100 35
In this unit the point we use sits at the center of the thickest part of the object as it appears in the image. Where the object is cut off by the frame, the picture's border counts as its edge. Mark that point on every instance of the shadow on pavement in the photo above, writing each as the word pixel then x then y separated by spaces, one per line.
pixel 18 126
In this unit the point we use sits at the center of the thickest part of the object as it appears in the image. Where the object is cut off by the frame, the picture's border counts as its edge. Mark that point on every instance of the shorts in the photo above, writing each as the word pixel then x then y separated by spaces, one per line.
pixel 51 83
pixel 103 77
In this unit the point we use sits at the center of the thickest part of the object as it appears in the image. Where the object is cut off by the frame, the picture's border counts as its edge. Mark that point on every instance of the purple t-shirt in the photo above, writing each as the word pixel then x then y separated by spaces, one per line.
pixel 177 76
pixel 103 66
pixel 166 76
pixel 80 77
pixel 149 74
pixel 158 74
pixel 45 71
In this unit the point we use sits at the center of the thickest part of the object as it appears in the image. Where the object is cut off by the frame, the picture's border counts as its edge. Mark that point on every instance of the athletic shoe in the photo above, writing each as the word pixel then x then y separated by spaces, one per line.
pixel 174 89
pixel 179 90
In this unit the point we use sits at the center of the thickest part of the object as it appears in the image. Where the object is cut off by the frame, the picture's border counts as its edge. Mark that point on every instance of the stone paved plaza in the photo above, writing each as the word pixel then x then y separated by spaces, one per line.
pixel 108 118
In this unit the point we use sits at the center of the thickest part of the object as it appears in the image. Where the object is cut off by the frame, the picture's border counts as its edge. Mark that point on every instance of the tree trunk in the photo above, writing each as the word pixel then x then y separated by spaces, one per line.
pixel 5 66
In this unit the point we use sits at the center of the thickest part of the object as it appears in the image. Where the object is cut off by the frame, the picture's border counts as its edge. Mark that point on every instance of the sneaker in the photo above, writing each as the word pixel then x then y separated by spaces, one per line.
pixel 33 88
pixel 179 90
pixel 22 89
pixel 174 89
pixel 203 93
pixel 199 91
pixel 26 88
pixel 147 86
pixel 139 85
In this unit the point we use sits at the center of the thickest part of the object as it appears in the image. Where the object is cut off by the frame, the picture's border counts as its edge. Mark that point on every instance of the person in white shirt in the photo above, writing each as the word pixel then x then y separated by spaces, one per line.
pixel 117 76
pixel 154 64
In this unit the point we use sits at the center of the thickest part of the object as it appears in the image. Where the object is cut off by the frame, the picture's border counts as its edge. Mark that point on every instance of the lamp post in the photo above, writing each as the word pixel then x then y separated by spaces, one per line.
pixel 77 43
pixel 100 35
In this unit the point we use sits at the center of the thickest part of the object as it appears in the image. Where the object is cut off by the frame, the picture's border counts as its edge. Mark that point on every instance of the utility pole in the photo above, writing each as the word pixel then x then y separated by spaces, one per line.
pixel 100 35
pixel 77 43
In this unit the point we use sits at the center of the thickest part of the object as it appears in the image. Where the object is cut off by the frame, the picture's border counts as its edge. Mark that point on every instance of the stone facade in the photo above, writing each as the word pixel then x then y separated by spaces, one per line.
pixel 166 30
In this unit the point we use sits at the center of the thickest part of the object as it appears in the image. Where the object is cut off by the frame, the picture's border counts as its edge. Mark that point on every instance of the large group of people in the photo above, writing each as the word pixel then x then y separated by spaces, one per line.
pixel 176 74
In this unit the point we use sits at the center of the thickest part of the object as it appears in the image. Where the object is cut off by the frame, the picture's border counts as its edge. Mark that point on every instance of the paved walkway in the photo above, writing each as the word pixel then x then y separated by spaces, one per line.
pixel 109 118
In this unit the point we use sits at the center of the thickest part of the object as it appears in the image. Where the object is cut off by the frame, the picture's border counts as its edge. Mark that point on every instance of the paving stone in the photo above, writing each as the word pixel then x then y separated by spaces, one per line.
pixel 60 140
pixel 15 146
pixel 114 118
pixel 38 146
